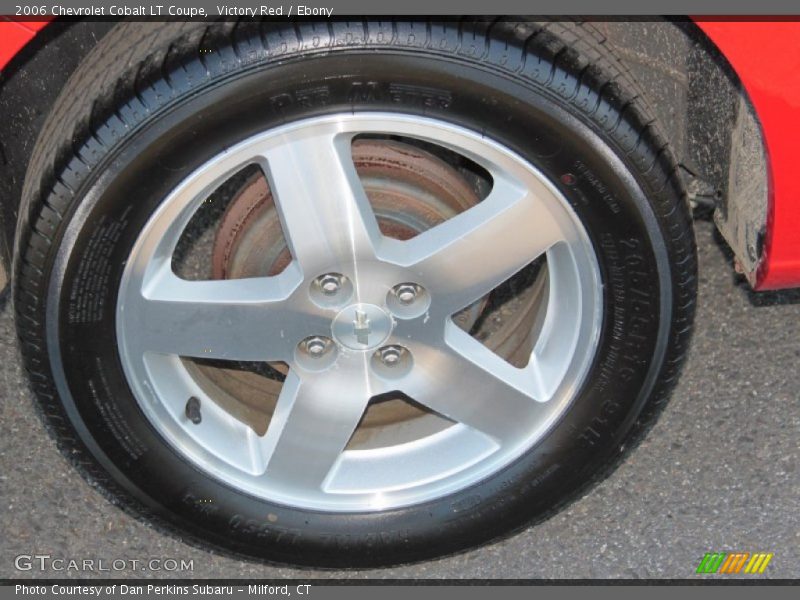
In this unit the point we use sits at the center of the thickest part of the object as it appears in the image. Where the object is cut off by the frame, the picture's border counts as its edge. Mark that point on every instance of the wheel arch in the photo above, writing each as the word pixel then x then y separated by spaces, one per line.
pixel 716 132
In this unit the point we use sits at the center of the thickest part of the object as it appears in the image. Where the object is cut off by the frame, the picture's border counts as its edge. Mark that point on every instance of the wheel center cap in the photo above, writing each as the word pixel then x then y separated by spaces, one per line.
pixel 361 326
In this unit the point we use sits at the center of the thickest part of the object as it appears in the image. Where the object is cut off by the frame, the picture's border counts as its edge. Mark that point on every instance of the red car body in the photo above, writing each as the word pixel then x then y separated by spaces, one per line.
pixel 14 35
pixel 764 55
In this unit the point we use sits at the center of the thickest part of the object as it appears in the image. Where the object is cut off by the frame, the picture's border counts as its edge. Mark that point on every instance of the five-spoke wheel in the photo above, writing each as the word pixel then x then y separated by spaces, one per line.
pixel 357 316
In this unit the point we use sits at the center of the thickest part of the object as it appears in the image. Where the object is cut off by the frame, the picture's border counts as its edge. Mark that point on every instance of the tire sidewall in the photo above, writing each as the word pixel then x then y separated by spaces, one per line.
pixel 103 226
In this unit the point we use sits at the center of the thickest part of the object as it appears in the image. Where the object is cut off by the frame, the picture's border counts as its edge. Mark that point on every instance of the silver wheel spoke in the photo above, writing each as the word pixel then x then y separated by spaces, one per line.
pixel 466 382
pixel 312 424
pixel 468 256
pixel 237 319
pixel 326 216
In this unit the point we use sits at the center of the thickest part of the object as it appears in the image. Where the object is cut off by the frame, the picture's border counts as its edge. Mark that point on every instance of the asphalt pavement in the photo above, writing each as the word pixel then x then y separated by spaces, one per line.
pixel 718 473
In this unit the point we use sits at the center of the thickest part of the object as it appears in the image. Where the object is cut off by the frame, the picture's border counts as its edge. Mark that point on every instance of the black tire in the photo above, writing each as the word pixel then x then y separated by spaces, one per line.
pixel 154 100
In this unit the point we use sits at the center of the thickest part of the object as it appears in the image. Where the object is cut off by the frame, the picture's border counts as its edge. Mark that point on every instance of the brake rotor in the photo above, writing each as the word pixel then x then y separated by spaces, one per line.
pixel 410 190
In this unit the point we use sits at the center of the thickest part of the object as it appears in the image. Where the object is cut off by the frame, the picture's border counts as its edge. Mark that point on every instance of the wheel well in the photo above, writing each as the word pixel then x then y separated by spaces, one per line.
pixel 705 112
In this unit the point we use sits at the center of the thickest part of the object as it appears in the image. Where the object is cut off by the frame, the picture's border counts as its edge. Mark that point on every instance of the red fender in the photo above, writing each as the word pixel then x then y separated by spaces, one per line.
pixel 766 58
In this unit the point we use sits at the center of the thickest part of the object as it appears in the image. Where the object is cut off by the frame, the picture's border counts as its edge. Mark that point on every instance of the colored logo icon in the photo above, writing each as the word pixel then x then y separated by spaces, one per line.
pixel 732 563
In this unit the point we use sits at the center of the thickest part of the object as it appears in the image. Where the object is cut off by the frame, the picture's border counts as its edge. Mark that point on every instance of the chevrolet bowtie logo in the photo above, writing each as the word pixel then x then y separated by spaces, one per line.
pixel 361 327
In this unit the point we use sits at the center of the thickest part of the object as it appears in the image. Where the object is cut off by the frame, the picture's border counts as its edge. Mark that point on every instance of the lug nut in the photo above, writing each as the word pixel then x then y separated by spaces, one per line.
pixel 406 292
pixel 316 346
pixel 330 283
pixel 390 355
